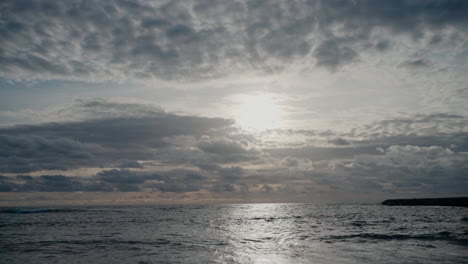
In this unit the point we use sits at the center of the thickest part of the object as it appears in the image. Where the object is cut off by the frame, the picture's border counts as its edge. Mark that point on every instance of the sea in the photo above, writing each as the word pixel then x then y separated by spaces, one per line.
pixel 237 233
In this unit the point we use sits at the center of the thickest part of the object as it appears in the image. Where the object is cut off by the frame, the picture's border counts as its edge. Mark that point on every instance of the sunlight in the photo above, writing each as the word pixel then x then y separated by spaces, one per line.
pixel 259 113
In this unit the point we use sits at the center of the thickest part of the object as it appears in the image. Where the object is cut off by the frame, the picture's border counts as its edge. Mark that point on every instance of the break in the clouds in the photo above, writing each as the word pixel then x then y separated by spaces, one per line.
pixel 233 101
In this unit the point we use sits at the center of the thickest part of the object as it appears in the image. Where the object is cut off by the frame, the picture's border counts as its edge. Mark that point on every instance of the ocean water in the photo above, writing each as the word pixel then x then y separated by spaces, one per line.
pixel 244 233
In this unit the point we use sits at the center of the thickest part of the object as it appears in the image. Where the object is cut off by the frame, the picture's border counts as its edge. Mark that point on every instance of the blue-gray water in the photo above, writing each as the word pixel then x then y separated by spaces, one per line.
pixel 248 233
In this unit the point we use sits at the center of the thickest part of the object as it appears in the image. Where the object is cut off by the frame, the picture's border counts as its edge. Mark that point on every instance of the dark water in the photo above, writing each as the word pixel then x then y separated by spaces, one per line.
pixel 252 233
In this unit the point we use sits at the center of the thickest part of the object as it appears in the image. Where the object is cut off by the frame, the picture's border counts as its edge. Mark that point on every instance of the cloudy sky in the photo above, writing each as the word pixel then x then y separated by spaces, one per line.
pixel 131 102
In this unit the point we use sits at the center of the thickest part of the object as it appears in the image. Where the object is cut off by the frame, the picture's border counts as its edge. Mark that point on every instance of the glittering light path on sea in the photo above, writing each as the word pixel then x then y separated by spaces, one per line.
pixel 248 233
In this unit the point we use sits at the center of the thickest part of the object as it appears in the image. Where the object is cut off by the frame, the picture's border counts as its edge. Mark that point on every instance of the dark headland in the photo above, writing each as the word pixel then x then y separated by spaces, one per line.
pixel 456 201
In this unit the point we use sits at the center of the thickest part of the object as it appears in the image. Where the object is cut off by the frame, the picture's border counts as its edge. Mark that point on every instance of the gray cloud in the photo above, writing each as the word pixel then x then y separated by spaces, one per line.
pixel 105 181
pixel 419 153
pixel 339 141
pixel 179 187
pixel 400 169
pixel 125 180
pixel 175 39
pixel 420 63
pixel 179 181
pixel 36 146
pixel 98 108
pixel 47 183
pixel 323 153
pixel 226 173
pixel 332 55
pixel 25 153
pixel 221 188
pixel 125 177
pixel 102 141
pixel 227 151
pixel 131 164
pixel 59 183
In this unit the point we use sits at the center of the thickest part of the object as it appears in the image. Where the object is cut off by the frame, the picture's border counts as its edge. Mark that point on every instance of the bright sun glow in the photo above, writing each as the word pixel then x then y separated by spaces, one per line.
pixel 259 113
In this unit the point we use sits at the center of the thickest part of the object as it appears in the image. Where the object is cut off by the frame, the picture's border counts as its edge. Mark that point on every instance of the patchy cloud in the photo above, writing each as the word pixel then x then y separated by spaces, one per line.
pixel 175 39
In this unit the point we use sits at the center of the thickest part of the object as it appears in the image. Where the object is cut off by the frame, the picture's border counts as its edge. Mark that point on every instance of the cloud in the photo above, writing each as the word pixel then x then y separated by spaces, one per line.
pixel 99 108
pixel 322 153
pixel 6 187
pixel 267 188
pixel 339 141
pixel 227 151
pixel 175 187
pixel 139 148
pixel 15 164
pixel 430 152
pixel 221 147
pixel 48 183
pixel 412 124
pixel 407 168
pixel 102 141
pixel 35 146
pixel 422 154
pixel 125 180
pixel 21 153
pixel 332 55
pixel 226 173
pixel 119 180
pixel 221 188
pixel 186 40
pixel 131 164
pixel 180 181
pixel 53 183
pixel 125 177
pixel 420 63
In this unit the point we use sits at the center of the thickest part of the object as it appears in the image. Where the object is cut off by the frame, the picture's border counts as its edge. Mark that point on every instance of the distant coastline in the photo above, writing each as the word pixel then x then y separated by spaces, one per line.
pixel 452 201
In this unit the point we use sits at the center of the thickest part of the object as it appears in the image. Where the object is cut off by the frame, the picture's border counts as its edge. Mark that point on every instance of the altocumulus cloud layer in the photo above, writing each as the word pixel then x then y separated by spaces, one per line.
pixel 199 39
pixel 135 101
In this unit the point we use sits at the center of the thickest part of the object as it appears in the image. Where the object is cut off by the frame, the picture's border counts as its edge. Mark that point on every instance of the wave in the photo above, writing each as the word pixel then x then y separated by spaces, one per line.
pixel 443 236
pixel 38 211
pixel 269 219
pixel 42 245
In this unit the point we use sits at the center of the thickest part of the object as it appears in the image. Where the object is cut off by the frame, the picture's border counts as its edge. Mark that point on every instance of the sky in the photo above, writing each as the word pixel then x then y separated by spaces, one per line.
pixel 202 101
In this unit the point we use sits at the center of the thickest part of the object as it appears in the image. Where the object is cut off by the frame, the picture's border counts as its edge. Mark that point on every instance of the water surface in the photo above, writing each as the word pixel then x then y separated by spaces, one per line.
pixel 247 233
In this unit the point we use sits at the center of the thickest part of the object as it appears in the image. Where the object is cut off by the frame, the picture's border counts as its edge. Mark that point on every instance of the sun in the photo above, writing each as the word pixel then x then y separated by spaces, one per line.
pixel 259 113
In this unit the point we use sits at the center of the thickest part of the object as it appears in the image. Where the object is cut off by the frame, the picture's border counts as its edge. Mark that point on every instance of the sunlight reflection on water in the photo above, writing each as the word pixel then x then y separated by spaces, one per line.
pixel 249 233
pixel 257 236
